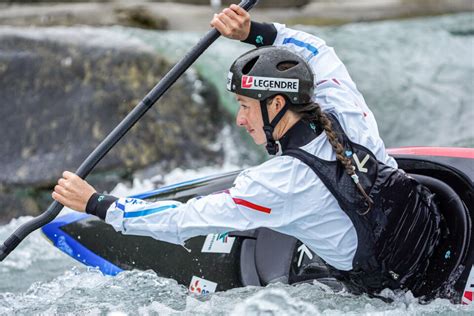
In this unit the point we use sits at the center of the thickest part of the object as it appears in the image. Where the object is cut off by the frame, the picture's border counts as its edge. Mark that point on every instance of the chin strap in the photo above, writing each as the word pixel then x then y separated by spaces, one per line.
pixel 268 127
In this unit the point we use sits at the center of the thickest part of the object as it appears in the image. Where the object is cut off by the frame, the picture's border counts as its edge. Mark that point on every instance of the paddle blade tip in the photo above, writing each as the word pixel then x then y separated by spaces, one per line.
pixel 8 246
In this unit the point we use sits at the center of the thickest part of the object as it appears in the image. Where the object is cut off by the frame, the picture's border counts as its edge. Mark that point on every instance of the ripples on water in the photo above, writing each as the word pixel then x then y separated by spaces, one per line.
pixel 416 75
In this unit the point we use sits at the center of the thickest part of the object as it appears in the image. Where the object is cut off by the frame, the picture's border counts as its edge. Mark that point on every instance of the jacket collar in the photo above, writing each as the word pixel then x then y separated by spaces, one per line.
pixel 299 135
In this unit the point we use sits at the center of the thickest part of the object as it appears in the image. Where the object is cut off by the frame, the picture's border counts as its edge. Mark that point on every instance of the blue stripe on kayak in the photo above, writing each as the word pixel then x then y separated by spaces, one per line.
pixel 72 247
pixel 147 212
pixel 311 48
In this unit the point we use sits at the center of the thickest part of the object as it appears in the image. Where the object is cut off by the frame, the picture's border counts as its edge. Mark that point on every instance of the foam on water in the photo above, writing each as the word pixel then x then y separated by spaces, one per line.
pixel 33 249
pixel 86 291
pixel 38 279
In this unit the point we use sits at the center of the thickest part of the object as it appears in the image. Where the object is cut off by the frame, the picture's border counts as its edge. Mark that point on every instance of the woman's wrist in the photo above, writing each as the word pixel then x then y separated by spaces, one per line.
pixel 261 34
pixel 98 204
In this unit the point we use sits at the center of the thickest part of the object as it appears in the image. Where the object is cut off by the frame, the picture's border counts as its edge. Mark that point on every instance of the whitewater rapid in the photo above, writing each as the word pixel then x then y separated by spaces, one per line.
pixel 38 279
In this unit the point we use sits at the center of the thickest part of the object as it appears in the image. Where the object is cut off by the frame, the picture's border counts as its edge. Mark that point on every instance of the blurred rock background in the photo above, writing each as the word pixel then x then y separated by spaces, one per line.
pixel 193 15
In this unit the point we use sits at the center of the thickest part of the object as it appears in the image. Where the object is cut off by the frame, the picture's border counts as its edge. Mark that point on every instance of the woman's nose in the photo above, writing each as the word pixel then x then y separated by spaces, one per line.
pixel 240 120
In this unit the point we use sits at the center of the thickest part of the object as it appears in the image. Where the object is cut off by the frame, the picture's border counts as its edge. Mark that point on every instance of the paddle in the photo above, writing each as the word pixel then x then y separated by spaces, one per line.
pixel 119 131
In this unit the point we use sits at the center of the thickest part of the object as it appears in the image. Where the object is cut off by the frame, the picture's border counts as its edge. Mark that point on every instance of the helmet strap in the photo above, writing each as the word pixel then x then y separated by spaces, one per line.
pixel 268 127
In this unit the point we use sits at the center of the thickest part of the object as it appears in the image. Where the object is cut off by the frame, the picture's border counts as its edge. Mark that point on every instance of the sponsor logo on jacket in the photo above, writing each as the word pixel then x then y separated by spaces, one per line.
pixel 270 84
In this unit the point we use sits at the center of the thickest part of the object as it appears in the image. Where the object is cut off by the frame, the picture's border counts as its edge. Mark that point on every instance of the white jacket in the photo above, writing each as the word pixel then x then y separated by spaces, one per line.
pixel 283 193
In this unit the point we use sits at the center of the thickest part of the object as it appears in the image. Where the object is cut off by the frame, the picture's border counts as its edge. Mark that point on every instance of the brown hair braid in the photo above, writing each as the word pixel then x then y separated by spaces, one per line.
pixel 312 112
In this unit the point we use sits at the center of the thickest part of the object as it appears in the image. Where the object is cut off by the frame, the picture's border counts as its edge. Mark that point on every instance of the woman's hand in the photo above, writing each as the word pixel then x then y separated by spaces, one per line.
pixel 73 192
pixel 233 22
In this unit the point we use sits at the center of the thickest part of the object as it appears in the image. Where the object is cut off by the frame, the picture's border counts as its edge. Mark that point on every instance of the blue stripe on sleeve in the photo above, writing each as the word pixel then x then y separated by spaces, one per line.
pixel 120 206
pixel 311 48
pixel 147 212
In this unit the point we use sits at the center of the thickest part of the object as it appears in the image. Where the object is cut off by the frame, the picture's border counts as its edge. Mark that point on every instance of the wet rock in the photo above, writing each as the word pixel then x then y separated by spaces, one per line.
pixel 93 14
pixel 261 3
pixel 62 91
pixel 182 15
pixel 16 203
pixel 139 16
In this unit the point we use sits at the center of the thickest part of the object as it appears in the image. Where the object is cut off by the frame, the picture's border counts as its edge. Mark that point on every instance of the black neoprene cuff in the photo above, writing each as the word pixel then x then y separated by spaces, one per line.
pixel 261 34
pixel 98 204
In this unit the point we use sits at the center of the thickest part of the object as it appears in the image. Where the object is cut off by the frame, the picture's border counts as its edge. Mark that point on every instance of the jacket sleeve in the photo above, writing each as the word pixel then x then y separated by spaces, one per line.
pixel 247 205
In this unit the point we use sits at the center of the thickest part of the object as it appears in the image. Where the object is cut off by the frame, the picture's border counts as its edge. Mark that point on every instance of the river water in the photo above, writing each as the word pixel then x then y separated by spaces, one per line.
pixel 417 76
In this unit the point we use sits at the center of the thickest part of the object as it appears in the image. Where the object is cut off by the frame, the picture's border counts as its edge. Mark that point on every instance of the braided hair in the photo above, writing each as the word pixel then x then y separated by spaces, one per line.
pixel 312 112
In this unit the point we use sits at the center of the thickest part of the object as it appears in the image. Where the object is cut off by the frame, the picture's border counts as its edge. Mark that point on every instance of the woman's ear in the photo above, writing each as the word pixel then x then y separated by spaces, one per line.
pixel 279 102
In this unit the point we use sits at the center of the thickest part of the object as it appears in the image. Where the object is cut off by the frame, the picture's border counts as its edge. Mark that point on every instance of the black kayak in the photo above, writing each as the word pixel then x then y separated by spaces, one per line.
pixel 218 262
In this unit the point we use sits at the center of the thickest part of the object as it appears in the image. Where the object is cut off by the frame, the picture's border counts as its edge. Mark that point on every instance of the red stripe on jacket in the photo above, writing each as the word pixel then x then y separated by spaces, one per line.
pixel 252 206
pixel 248 204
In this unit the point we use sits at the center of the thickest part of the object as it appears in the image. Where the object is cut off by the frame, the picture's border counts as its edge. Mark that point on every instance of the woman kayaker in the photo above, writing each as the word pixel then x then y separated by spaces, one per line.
pixel 332 184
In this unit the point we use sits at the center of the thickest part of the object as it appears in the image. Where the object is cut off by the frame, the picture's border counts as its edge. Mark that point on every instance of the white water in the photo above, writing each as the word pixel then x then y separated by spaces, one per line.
pixel 37 279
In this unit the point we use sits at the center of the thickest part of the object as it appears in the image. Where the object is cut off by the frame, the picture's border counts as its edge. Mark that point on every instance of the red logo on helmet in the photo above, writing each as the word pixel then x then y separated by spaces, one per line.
pixel 247 82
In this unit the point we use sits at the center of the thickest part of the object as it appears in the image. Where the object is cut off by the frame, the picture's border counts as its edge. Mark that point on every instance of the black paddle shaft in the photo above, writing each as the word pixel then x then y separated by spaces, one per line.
pixel 119 131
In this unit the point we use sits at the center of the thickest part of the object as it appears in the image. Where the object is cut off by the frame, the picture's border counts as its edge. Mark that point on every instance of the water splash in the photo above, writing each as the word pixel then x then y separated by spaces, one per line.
pixel 143 292
pixel 32 250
